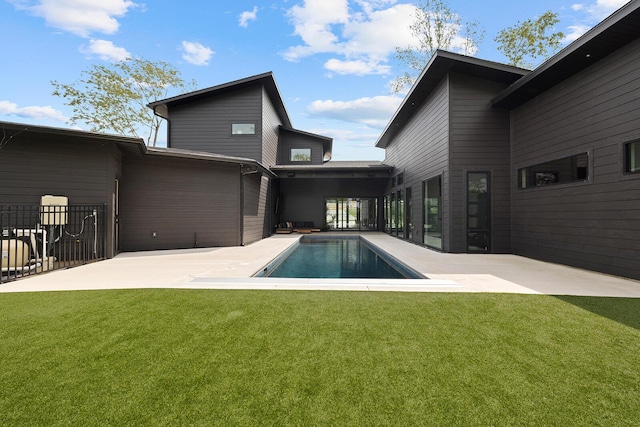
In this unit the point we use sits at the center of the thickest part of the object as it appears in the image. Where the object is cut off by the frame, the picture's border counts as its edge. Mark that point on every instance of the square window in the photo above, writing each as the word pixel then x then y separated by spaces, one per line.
pixel 632 157
pixel 243 129
pixel 301 154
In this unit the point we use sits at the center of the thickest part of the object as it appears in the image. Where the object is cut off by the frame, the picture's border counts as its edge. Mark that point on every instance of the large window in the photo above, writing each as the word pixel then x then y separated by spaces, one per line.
pixel 243 128
pixel 632 157
pixel 300 155
pixel 345 213
pixel 560 171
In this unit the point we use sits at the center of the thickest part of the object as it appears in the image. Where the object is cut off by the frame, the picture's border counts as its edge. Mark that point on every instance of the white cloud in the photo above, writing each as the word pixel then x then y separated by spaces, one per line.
pixel 359 67
pixel 575 32
pixel 363 33
pixel 375 111
pixel 195 53
pixel 80 17
pixel 590 14
pixel 32 112
pixel 247 16
pixel 105 50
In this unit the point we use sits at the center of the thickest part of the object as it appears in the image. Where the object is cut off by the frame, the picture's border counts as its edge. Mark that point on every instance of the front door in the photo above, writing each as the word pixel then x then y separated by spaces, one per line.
pixel 478 212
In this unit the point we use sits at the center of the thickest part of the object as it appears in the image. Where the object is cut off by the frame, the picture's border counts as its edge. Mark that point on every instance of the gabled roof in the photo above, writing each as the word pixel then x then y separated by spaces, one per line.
pixel 161 108
pixel 327 143
pixel 616 31
pixel 442 63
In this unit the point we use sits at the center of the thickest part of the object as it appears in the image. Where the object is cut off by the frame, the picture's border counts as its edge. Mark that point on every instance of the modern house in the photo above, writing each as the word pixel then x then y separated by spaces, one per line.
pixel 480 157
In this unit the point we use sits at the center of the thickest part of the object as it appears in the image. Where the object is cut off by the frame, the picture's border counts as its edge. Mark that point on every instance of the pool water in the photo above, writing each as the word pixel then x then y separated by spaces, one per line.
pixel 339 257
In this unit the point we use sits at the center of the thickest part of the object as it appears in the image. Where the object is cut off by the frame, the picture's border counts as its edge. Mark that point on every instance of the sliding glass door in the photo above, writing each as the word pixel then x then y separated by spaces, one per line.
pixel 346 213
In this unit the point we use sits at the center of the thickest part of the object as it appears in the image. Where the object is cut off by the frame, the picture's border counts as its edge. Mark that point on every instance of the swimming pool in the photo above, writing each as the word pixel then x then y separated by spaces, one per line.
pixel 337 257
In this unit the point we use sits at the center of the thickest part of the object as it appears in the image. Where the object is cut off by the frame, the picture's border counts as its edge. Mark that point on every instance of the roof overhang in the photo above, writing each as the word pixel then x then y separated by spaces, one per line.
pixel 441 64
pixel 616 31
pixel 335 169
pixel 247 164
pixel 161 108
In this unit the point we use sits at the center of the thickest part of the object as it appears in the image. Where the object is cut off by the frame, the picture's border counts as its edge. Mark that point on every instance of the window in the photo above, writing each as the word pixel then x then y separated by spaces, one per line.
pixel 560 171
pixel 243 128
pixel 400 179
pixel 632 157
pixel 301 154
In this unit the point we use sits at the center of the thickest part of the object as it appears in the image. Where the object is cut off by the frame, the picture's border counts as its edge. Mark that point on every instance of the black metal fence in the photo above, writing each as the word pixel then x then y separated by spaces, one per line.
pixel 36 239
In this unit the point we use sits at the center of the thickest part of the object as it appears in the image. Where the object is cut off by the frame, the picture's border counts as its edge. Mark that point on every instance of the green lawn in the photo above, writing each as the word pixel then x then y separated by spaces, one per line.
pixel 191 357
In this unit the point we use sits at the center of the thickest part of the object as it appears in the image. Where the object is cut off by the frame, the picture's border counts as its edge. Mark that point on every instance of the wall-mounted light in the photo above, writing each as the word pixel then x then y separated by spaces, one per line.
pixel 291 174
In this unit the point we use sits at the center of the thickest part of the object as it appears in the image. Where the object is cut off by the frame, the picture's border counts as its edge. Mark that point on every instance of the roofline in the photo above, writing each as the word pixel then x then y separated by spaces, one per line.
pixel 25 127
pixel 564 55
pixel 160 107
pixel 449 61
pixel 329 167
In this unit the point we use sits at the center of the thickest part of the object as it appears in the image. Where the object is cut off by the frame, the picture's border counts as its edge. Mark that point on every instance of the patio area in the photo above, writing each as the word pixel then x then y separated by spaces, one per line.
pixel 232 268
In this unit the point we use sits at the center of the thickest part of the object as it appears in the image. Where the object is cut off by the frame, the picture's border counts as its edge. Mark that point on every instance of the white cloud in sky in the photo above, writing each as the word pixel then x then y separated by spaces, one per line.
pixel 358 67
pixel 371 111
pixel 593 13
pixel 105 50
pixel 195 53
pixel 32 112
pixel 80 17
pixel 250 15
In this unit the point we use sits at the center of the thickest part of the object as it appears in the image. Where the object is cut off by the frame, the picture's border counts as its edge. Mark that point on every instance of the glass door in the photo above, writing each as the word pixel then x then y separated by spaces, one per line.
pixel 478 212
pixel 345 213
pixel 433 212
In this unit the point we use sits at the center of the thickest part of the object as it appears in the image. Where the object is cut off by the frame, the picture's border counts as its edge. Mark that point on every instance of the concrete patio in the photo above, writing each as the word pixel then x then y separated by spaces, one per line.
pixel 232 268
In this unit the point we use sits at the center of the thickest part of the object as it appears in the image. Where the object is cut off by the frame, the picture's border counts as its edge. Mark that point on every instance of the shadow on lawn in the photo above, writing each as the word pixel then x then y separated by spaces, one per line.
pixel 622 310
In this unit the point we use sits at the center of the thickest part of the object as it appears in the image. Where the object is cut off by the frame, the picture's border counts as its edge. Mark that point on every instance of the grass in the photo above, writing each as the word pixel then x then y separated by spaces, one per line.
pixel 188 357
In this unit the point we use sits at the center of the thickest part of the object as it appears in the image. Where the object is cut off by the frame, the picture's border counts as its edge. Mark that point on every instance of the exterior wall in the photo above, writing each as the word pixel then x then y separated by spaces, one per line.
pixel 479 141
pixel 420 151
pixel 256 208
pixel 205 125
pixel 84 170
pixel 289 140
pixel 270 126
pixel 188 203
pixel 303 199
pixel 593 224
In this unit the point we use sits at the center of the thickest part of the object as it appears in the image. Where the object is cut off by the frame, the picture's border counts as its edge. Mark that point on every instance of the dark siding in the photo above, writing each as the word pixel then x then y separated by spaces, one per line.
pixel 595 224
pixel 479 141
pixel 256 212
pixel 304 199
pixel 32 165
pixel 270 124
pixel 181 200
pixel 206 125
pixel 289 140
pixel 420 151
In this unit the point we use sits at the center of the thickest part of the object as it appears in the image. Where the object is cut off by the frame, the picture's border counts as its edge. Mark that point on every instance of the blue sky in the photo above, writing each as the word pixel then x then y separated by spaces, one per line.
pixel 333 60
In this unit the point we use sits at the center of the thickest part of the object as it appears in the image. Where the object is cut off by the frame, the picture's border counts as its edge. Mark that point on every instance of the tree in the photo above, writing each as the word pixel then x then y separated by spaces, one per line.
pixel 115 97
pixel 529 40
pixel 435 27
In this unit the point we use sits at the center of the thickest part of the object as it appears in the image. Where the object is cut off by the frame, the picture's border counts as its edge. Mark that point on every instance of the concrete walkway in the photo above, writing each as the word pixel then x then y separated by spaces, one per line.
pixel 232 268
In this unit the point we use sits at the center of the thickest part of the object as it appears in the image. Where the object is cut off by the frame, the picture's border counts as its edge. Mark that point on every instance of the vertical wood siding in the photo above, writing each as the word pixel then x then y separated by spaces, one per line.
pixel 479 141
pixel 181 200
pixel 593 224
pixel 420 151
pixel 206 125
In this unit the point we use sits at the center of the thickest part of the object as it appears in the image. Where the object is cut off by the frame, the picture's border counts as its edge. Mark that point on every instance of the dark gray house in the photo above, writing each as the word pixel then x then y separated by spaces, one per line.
pixel 481 157
pixel 489 158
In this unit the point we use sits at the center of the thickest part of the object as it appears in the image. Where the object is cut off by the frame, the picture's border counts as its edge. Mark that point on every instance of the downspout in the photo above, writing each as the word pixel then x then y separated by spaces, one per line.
pixel 241 224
